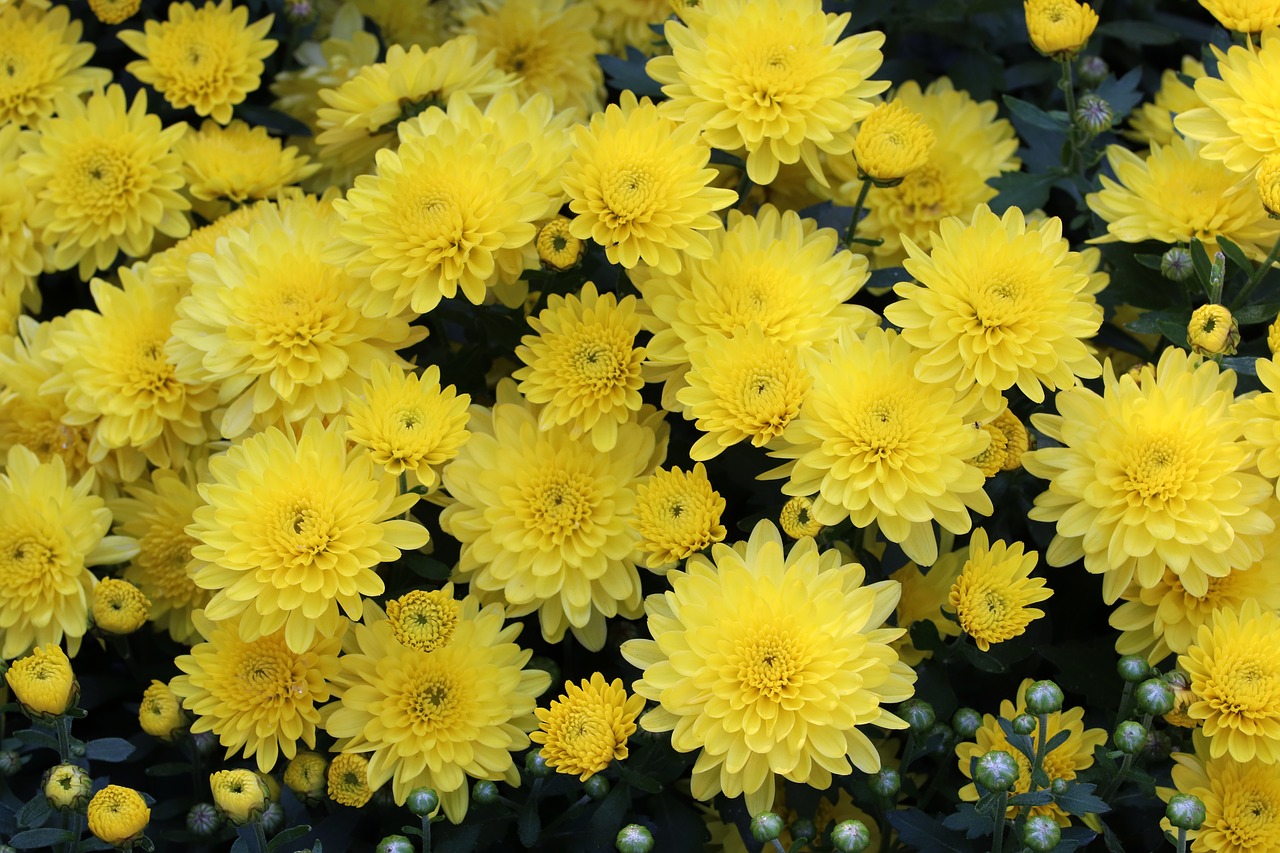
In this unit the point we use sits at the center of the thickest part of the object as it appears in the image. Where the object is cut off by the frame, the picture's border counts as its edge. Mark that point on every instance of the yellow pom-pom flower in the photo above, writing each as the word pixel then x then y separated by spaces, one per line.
pixel 1241 800
pixel 677 515
pixel 160 714
pixel 307 775
pixel 349 780
pixel 1261 416
pixel 1244 16
pixel 67 787
pixel 804 653
pixel 892 142
pixel 796 518
pixel 586 729
pixel 118 815
pixel 43 682
pixel 293 530
pixel 44 58
pixel 1152 124
pixel 1017 439
pixel 114 11
pixel 924 595
pixel 1213 331
pixel 773 78
pixel 119 607
pixel 992 460
pixel 238 163
pixel 209 58
pixel 993 594
pixel 1234 122
pixel 1268 180
pixel 640 186
pixel 239 795
pixel 558 249
pixel 1059 28
pixel 425 620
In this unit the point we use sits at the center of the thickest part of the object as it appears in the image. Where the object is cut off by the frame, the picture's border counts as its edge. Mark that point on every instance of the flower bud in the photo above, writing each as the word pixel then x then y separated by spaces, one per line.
pixel 1154 696
pixel 423 801
pixel 1024 724
pixel 67 787
pixel 1183 697
pixel 536 766
pixel 1059 28
pixel 305 776
pixel 558 249
pixel 634 838
pixel 1130 737
pixel 10 762
pixel 1058 786
pixel 299 12
pixel 1093 115
pixel 43 683
pixel 850 836
pixel 1176 265
pixel 485 793
pixel 996 771
pixel 918 714
pixel 1273 337
pixel 803 828
pixel 886 783
pixel 272 818
pixel 1185 811
pixel 892 142
pixel 1133 668
pixel 118 815
pixel 395 844
pixel 349 780
pixel 1044 697
pixel 114 11
pixel 203 819
pixel 239 795
pixel 161 714
pixel 1213 331
pixel 596 787
pixel 766 826
pixel 796 518
pixel 1041 834
pixel 119 607
pixel 1268 179
pixel 1093 70
pixel 966 722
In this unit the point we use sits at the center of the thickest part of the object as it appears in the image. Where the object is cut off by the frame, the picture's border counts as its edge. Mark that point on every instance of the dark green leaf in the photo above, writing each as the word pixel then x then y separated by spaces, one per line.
pixel 921 832
pixel 35 739
pixel 1022 743
pixel 1030 114
pixel 968 820
pixel 529 824
pixel 639 780
pixel 1056 741
pixel 1257 313
pixel 1032 798
pixel 34 839
pixel 34 812
pixel 1242 364
pixel 91 845
pixel 629 73
pixel 608 817
pixel 1201 261
pixel 1235 254
pixel 1073 838
pixel 1172 323
pixel 1138 32
pixel 1022 190
pixel 980 659
pixel 798 845
pixel 424 566
pixel 1151 262
pixel 925 637
pixel 287 835
pixel 1078 799
pixel 1121 95
pixel 883 279
pixel 108 749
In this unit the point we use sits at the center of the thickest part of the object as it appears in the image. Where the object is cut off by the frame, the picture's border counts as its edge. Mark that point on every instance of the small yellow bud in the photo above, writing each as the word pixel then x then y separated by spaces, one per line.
pixel 161 712
pixel 43 683
pixel 1213 331
pixel 305 776
pixel 118 815
pixel 557 248
pixel 991 461
pixel 239 795
pixel 1059 28
pixel 1268 178
pixel 796 519
pixel 349 780
pixel 1017 439
pixel 892 142
pixel 119 607
pixel 1183 697
pixel 114 11
pixel 67 787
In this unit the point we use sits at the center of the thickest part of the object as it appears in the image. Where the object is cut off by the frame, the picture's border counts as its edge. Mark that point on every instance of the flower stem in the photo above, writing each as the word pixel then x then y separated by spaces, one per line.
pixel 63 729
pixel 1182 840
pixel 426 833
pixel 857 212
pixel 1042 739
pixel 1067 85
pixel 1257 276
pixel 1126 698
pixel 998 822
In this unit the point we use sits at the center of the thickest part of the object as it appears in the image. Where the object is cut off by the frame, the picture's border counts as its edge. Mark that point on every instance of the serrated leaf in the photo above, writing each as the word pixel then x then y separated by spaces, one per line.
pixel 33 839
pixel 286 835
pixel 921 832
pixel 1029 113
pixel 1022 743
pixel 1056 741
pixel 1078 799
pixel 110 749
pixel 968 820
pixel 1121 95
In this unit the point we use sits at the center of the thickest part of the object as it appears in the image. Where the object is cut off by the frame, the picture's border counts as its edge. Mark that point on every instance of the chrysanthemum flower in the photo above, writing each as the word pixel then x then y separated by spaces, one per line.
pixel 992 459
pixel 208 58
pixel 237 163
pixel 259 696
pixel 1017 439
pixel 1064 762
pixel 160 713
pixel 119 607
pixel 169 267
pixel 105 180
pixel 877 443
pixel 1152 474
pixel 118 815
pixel 1261 417
pixel 924 594
pixel 796 518
pixel 349 780
pixel 677 515
pixel 276 326
pixel 892 142
pixel 50 530
pixel 1059 28
pixel 44 58
pixel 998 303
pixel 436 718
pixel 1175 195
pixel 771 77
pixel 1152 123
pixel 640 186
pixel 586 729
pixel 583 365
pixel 972 146
pixel 558 249
pixel 114 11
pixel 1244 16
pixel 767 663
pixel 20 257
pixel 307 775
pixel 293 529
pixel 629 23
pixel 1241 800
pixel 424 24
pixel 67 787
pixel 1234 124
pixel 992 595
pixel 43 682
pixel 427 620
pixel 239 795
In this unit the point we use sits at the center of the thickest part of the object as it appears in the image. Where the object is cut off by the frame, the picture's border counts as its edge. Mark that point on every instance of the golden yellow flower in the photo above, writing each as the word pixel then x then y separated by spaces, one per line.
pixel 43 682
pixel 892 142
pixel 208 58
pixel 992 460
pixel 307 776
pixel 349 780
pixel 586 729
pixel 629 23
pixel 118 815
pixel 677 515
pixel 21 259
pixel 1268 180
pixel 238 794
pixel 425 620
pixel 44 58
pixel 119 607
pixel 1241 800
pixel 1183 698
pixel 1017 439
pixel 67 787
pixel 1261 416
pixel 1213 331
pixel 170 266
pixel 1273 337
pixel 237 163
pixel 1234 124
pixel 995 587
pixel 1152 124
pixel 1244 16
pixel 796 518
pixel 558 249
pixel 924 594
pixel 160 714
pixel 114 11
pixel 1059 28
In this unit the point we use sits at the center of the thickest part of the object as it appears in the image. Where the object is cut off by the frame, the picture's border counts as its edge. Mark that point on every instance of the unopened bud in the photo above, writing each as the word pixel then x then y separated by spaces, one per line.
pixel 1093 115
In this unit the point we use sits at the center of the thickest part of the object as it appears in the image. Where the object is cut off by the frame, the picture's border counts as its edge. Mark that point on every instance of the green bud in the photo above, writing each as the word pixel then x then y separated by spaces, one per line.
pixel 1094 115
pixel 634 838
pixel 1058 786
pixel 203 819
pixel 997 771
pixel 1130 737
pixel 966 722
pixel 1044 697
pixel 1175 265
pixel 918 714
pixel 1093 70
pixel 272 818
pixel 1041 834
pixel 10 762
pixel 1185 811
pixel 597 787
pixel 1154 696
pixel 1024 724
pixel 1133 668
pixel 394 844
pixel 536 766
pixel 886 783
pixel 484 792
pixel 803 828
pixel 423 801
pixel 850 836
pixel 766 826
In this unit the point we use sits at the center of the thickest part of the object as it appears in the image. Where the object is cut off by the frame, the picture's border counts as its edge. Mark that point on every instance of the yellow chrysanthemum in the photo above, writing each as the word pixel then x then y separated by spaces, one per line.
pixel 640 186
pixel 307 775
pixel 582 365
pixel 892 142
pixel 1267 179
pixel 972 147
pixel 998 303
pixel 160 714
pixel 545 519
pixel 408 423
pixel 796 518
pixel 119 607
pixel 237 163
pixel 1213 331
pixel 105 180
pixel 1017 439
pixel 992 459
pixel 1244 16
pixel 114 11
pixel 258 696
pixel 586 729
pixel 1235 122
pixel 436 718
pixel 772 77
pixel 44 58
pixel 924 594
pixel 424 24
pixel 118 815
pixel 20 257
pixel 1261 417
pixel 629 23
pixel 1064 762
pixel 677 515
pixel 1059 28
pixel 876 443
pixel 995 587
pixel 1152 124
pixel 278 327
pixel 784 657
pixel 169 267
pixel 1175 195
pixel 208 58
pixel 1152 474
pixel 50 530
pixel 1241 800
pixel 547 44
pixel 67 787
pixel 426 620
pixel 349 780
pixel 43 682
pixel 239 795
pixel 558 249
pixel 1234 667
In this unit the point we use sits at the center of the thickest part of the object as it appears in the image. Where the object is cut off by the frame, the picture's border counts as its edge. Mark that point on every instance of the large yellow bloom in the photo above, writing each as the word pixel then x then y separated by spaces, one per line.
pixel 208 58
pixel 41 52
pixel 118 815
pixel 877 443
pixel 293 529
pixel 50 530
pixel 1236 123
pixel 259 696
pixel 20 257
pixel 767 663
pixel 1152 474
pixel 771 77
pixel 995 587
pixel 1152 123
pixel 1241 800
pixel 437 717
pixel 998 304
pixel 1261 416
pixel 640 186
pixel 586 729
pixel 1244 16
pixel 105 179
pixel 238 163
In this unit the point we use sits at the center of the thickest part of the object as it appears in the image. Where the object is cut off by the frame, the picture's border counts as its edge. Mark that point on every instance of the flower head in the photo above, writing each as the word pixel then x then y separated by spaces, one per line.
pixel 796 518
pixel 238 163
pixel 1213 331
pixel 994 590
pixel 892 142
pixel 239 795
pixel 1244 16
pixel 161 714
pixel 1235 122
pixel 1059 28
pixel 118 815
pixel 425 620
pixel 43 682
pixel 119 607
pixel 67 787
pixel 558 249
pixel 586 729
pixel 349 780
pixel 44 58
pixel 1241 800
pixel 1017 439
pixel 678 515
pixel 1268 179
pixel 114 11
pixel 307 775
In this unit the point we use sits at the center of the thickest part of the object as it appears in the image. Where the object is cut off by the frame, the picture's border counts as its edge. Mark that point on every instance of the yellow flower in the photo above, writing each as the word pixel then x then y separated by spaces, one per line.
pixel 349 780
pixel 293 529
pixel 640 186
pixel 306 776
pixel 423 24
pixel 995 587
pixel 105 180
pixel 44 58
pixel 1241 800
pixel 1176 195
pixel 677 515
pixel 773 78
pixel 1244 16
pixel 586 729
pixel 435 718
pixel 1213 331
pixel 924 594
pixel 768 663
pixel 1152 474
pixel 238 163
pixel 876 443
pixel 170 266
pixel 583 366
pixel 119 607
pixel 1234 122
pixel 999 303
pixel 208 58
pixel 21 259
pixel 1261 416
pixel 114 11
pixel 1064 762
pixel 1059 28
pixel 629 23
pixel 1183 698
pixel 992 460
pixel 43 683
pixel 67 787
pixel 1234 667
pixel 1152 124
pixel 1017 439
pixel 1273 337
pixel 796 518
pixel 257 695
pixel 408 423
pixel 118 815
pixel 558 249
pixel 50 530
pixel 239 795
pixel 160 714
pixel 425 620
pixel 1268 179
pixel 892 142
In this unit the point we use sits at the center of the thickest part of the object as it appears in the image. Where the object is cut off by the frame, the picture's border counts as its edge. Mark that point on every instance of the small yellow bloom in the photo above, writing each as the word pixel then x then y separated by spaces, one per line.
pixel 1059 28
pixel 587 728
pixel 425 620
pixel 239 794
pixel 67 787
pixel 1213 331
pixel 892 142
pixel 995 587
pixel 161 713
pixel 349 780
pixel 796 518
pixel 119 607
pixel 991 461
pixel 1268 178
pixel 558 249
pixel 306 777
pixel 678 515
pixel 43 682
pixel 1183 697
pixel 114 11
pixel 118 815
pixel 1017 439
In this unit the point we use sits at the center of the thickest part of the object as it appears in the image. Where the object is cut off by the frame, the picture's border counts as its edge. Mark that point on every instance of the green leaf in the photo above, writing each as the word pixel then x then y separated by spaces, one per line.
pixel 529 824
pixel 1235 254
pixel 1242 364
pixel 1075 837
pixel 638 780
pixel 1056 741
pixel 969 820
pixel 1032 798
pixel 1029 113
pixel 1171 322
pixel 272 120
pixel 108 749
pixel 921 832
pixel 629 73
pixel 37 838
pixel 1078 799
pixel 1257 313
pixel 90 845
pixel 608 817
pixel 980 659
pixel 287 835
pixel 1022 743
pixel 1138 32
pixel 1022 190
pixel 1121 95
pixel 36 739
pixel 925 637
pixel 1201 261
pixel 424 566
pixel 1151 262
pixel 34 812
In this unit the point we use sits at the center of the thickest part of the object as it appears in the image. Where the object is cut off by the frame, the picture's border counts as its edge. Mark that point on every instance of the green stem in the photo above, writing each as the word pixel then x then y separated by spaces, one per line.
pixel 1257 276
pixel 777 845
pixel 1126 698
pixel 1042 740
pixel 998 822
pixel 857 212
pixel 1067 85
pixel 63 729
pixel 1182 840
pixel 77 831
pixel 426 833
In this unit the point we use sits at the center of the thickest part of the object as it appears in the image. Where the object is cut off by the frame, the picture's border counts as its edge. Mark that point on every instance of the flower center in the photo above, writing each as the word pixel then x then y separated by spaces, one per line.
pixel 302 532
pixel 104 179
pixel 1157 470
pixel 560 502
pixel 434 702
pixel 771 666
pixel 423 620
pixel 630 194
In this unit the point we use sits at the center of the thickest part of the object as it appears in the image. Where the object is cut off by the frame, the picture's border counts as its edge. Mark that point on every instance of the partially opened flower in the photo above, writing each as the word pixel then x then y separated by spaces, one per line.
pixel 993 594
pixel 118 815
pixel 1059 28
pixel 586 729
pixel 678 515
pixel 892 142
pixel 43 682
pixel 348 777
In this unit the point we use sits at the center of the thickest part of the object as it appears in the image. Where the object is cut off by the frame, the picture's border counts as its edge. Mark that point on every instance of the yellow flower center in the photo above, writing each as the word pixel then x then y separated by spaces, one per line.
pixel 598 364
pixel 424 620
pixel 559 503
pixel 631 193
pixel 924 194
pixel 1250 810
pixel 104 178
pixel 770 665
pixel 302 531
pixel 193 54
pixel 435 701
pixel 265 672
pixel 1157 470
